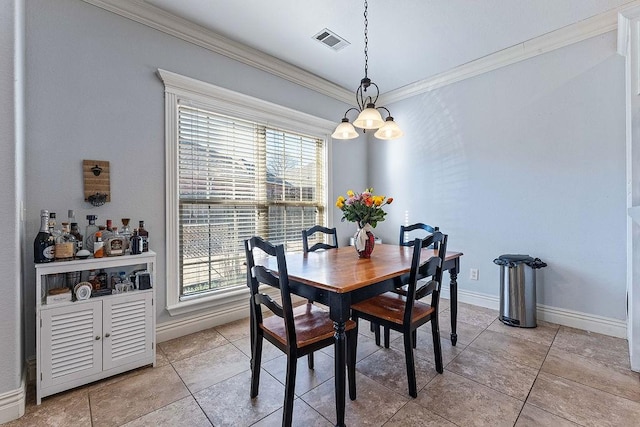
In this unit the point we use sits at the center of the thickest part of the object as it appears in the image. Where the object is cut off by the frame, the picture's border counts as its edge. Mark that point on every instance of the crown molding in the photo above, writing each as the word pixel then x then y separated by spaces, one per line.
pixel 565 36
pixel 625 17
pixel 156 18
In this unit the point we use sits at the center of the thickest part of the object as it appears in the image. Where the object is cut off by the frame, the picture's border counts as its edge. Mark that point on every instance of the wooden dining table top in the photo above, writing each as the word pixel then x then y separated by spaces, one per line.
pixel 341 270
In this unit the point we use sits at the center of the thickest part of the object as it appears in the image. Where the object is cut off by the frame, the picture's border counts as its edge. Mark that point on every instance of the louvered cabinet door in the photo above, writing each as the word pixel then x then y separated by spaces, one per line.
pixel 127 328
pixel 71 343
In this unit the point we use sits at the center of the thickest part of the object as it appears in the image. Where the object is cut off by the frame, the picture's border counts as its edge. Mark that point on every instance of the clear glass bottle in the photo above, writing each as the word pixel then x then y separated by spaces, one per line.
pixel 65 243
pixel 53 226
pixel 115 244
pixel 126 233
pixel 145 237
pixel 90 231
pixel 43 244
pixel 71 216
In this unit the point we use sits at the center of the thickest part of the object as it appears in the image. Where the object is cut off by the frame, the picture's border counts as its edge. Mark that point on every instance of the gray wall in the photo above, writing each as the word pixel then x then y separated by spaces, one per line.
pixel 92 93
pixel 529 158
pixel 11 192
pixel 526 159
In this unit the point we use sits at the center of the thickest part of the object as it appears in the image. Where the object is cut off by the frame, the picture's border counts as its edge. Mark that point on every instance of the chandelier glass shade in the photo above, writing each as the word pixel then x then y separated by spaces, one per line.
pixel 369 117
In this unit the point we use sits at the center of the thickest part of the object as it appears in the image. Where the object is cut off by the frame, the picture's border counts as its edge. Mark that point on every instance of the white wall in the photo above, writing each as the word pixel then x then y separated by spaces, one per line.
pixel 528 159
pixel 92 93
pixel 11 193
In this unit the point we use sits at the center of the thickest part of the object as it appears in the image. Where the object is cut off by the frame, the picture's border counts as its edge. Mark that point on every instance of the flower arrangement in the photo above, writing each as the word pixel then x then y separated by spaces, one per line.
pixel 363 208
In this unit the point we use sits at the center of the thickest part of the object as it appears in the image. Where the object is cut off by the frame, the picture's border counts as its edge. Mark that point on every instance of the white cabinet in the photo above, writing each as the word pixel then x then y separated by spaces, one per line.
pixel 83 341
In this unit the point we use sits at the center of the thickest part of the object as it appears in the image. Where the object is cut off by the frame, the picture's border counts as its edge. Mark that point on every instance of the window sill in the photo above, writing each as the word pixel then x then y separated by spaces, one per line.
pixel 225 301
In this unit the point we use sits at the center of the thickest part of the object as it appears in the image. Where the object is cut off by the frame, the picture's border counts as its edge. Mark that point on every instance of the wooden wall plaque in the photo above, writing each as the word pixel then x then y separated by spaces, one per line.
pixel 97 179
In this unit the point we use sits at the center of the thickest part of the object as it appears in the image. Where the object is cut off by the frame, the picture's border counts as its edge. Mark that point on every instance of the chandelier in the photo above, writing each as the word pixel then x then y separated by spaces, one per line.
pixel 369 117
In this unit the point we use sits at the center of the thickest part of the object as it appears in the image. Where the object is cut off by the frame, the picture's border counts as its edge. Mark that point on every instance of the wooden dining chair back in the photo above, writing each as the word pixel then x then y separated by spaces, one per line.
pixel 405 313
pixel 296 331
pixel 314 232
pixel 417 230
pixel 406 232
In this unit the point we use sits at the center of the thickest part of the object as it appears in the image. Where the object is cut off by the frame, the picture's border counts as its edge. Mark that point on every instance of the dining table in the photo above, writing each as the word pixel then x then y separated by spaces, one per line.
pixel 339 278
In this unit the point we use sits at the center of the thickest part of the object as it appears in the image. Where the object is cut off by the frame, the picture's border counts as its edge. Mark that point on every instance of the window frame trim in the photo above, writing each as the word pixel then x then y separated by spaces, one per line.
pixel 234 104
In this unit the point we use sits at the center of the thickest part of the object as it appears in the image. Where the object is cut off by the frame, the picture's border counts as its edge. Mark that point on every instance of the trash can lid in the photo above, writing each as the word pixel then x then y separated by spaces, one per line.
pixel 513 260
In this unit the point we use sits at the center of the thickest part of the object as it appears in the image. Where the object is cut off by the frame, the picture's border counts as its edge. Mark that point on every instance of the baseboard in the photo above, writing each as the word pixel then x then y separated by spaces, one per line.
pixel 588 322
pixel 12 403
pixel 185 326
pixel 574 319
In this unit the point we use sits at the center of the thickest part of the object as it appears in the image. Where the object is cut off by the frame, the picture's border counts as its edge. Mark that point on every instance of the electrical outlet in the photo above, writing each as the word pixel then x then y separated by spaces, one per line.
pixel 473 274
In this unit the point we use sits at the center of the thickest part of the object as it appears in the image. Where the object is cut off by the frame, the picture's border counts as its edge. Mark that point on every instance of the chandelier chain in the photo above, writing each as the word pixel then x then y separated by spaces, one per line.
pixel 366 39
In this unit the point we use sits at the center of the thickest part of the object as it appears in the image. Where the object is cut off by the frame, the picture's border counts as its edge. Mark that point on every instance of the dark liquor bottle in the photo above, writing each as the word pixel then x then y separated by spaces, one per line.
pixel 136 243
pixel 145 237
pixel 75 232
pixel 43 245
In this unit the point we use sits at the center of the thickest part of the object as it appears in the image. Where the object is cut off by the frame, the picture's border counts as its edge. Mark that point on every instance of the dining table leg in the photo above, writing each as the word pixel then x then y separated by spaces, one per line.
pixel 340 363
pixel 453 290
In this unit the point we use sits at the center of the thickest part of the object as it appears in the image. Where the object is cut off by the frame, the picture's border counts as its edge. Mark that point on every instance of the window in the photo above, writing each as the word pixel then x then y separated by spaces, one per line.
pixel 236 167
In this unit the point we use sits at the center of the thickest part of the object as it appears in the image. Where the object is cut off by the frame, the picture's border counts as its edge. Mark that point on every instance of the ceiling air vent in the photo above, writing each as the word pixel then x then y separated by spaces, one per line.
pixel 331 39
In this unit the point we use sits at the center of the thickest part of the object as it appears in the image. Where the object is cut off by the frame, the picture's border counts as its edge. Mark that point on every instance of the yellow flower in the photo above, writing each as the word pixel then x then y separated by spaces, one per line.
pixel 363 208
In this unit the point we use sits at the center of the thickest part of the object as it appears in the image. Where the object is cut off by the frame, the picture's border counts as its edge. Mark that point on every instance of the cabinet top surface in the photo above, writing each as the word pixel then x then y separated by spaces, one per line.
pixel 82 264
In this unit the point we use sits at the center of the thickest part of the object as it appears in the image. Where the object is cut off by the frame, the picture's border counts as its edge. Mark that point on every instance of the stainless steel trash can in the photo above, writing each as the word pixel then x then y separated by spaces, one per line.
pixel 518 289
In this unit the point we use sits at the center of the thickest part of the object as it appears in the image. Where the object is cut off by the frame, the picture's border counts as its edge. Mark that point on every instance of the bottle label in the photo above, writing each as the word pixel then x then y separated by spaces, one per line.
pixel 98 249
pixel 115 246
pixel 49 252
pixel 64 250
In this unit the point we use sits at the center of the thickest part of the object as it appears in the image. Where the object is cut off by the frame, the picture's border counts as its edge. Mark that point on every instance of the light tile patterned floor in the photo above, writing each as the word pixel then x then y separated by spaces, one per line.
pixel 496 376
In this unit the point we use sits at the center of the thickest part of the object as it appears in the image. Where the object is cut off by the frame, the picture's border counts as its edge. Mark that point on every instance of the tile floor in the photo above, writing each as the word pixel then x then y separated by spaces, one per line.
pixel 496 376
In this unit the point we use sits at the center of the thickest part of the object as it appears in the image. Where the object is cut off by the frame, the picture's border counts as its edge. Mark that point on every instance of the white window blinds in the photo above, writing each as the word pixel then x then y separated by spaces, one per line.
pixel 238 179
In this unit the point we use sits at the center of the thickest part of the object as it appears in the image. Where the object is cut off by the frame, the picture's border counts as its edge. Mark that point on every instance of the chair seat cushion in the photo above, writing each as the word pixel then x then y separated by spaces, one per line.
pixel 390 306
pixel 312 324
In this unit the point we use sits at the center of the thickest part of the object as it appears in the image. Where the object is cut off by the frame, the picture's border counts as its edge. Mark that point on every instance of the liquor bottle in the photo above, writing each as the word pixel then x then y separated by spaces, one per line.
pixel 65 243
pixel 145 237
pixel 125 232
pixel 98 246
pixel 71 216
pixel 109 224
pixel 75 232
pixel 93 279
pixel 103 278
pixel 90 231
pixel 43 245
pixel 136 243
pixel 53 228
pixel 115 244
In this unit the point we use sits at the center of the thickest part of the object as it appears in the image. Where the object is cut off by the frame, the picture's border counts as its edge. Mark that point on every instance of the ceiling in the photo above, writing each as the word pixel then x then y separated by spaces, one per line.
pixel 409 40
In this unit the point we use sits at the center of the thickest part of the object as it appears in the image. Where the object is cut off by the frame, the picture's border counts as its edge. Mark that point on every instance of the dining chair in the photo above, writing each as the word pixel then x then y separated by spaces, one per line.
pixel 307 235
pixel 328 232
pixel 404 229
pixel 405 313
pixel 296 331
pixel 402 281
